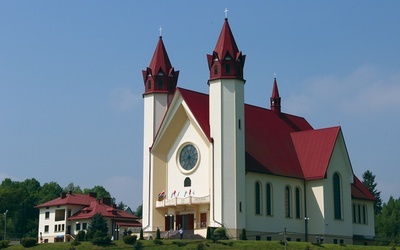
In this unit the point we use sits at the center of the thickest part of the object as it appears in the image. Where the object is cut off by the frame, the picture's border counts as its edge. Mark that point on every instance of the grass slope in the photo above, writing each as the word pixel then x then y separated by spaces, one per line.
pixel 198 244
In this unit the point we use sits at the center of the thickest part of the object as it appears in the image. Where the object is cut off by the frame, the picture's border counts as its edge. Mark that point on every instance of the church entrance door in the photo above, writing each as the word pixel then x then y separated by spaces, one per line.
pixel 186 221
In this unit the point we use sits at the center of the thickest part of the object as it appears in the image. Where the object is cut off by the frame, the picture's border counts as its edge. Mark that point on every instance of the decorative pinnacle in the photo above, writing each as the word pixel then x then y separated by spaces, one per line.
pixel 226 13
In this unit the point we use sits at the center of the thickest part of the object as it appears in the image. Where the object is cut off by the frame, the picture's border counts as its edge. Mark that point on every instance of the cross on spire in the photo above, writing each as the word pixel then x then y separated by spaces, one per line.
pixel 160 29
pixel 226 13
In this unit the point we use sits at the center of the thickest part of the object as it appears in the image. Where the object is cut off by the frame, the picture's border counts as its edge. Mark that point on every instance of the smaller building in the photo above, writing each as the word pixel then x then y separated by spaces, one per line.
pixel 61 219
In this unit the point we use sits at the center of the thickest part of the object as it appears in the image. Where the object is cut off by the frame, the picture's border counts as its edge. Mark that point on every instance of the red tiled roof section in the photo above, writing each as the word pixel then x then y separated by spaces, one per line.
pixel 359 191
pixel 314 149
pixel 269 147
pixel 105 210
pixel 69 199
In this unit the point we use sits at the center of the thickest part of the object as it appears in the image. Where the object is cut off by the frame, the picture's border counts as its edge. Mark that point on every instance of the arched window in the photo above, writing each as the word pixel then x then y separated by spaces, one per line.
pixel 258 197
pixel 268 197
pixel 298 203
pixel 337 199
pixel 288 205
pixel 187 182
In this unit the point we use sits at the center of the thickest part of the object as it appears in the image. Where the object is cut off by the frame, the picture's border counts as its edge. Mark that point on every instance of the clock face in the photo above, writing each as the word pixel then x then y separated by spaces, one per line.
pixel 188 157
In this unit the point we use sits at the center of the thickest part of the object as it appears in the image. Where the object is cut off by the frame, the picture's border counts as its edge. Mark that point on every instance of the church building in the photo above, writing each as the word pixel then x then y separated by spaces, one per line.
pixel 211 160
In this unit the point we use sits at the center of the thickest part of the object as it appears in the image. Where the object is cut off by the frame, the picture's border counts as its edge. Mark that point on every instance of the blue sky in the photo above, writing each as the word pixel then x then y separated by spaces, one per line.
pixel 71 87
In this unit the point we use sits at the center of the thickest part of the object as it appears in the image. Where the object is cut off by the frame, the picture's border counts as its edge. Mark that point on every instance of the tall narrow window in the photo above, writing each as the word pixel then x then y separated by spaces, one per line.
pixel 298 203
pixel 215 69
pixel 149 84
pixel 288 204
pixel 258 198
pixel 364 214
pixel 337 199
pixel 269 199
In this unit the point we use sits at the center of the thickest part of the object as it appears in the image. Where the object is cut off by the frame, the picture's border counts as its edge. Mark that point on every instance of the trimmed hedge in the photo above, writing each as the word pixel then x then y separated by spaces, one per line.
pixel 130 239
pixel 28 242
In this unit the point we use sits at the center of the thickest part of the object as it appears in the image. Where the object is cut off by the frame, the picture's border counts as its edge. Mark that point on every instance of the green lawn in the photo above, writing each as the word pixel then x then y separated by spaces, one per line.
pixel 199 244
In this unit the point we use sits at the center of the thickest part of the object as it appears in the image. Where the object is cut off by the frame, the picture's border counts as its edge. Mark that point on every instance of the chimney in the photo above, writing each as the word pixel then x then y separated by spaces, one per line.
pixel 63 195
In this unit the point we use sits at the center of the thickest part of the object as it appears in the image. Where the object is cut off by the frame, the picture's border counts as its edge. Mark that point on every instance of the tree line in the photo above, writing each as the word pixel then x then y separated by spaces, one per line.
pixel 19 199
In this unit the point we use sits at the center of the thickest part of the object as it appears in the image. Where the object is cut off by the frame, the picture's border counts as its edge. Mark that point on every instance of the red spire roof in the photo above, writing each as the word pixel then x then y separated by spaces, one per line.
pixel 226 61
pixel 226 42
pixel 160 60
pixel 160 76
pixel 275 98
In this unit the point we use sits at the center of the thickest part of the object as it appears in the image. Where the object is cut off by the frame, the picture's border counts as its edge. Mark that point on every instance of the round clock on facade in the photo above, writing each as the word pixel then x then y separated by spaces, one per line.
pixel 188 157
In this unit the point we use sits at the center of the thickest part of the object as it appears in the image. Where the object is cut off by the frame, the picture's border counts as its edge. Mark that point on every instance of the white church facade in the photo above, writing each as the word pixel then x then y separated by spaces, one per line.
pixel 211 160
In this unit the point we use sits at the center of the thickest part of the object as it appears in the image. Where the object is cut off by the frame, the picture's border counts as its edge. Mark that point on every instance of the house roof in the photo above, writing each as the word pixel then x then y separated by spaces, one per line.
pixel 69 199
pixel 96 207
pixel 278 143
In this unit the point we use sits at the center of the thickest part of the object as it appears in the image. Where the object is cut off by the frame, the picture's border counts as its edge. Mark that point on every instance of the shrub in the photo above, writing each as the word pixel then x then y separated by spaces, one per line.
pixel 130 239
pixel 158 235
pixel 200 246
pixel 208 236
pixel 4 243
pixel 220 233
pixel 243 236
pixel 81 236
pixel 141 234
pixel 138 245
pixel 75 243
pixel 101 241
pixel 158 242
pixel 28 242
pixel 179 243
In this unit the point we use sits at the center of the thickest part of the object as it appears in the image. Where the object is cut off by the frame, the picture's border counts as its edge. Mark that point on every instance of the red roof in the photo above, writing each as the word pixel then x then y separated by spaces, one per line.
pixel 314 149
pixel 278 143
pixel 226 42
pixel 359 191
pixel 69 199
pixel 96 207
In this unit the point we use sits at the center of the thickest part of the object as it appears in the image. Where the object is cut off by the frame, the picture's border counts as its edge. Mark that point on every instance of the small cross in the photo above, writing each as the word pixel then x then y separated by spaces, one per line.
pixel 226 12
pixel 160 29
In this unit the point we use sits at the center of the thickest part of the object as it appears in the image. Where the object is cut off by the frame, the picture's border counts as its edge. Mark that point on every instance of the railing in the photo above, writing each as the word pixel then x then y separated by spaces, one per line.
pixel 190 200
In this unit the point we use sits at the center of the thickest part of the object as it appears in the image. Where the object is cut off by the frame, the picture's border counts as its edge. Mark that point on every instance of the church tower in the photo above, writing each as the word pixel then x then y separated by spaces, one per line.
pixel 226 92
pixel 160 80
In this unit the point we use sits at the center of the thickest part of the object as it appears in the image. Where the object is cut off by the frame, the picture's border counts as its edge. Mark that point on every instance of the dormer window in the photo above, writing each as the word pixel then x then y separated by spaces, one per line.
pixel 227 58
pixel 160 73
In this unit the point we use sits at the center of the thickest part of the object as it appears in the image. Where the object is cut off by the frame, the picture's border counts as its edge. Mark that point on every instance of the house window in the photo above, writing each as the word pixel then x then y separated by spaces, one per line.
pixel 269 199
pixel 84 226
pixel 46 228
pixel 298 203
pixel 78 226
pixel 187 182
pixel 288 204
pixel 60 215
pixel 55 228
pixel 258 197
pixel 337 200
pixel 47 215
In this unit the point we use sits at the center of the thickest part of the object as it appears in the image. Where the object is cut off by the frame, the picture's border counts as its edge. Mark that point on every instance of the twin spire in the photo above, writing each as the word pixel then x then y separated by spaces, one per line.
pixel 226 62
